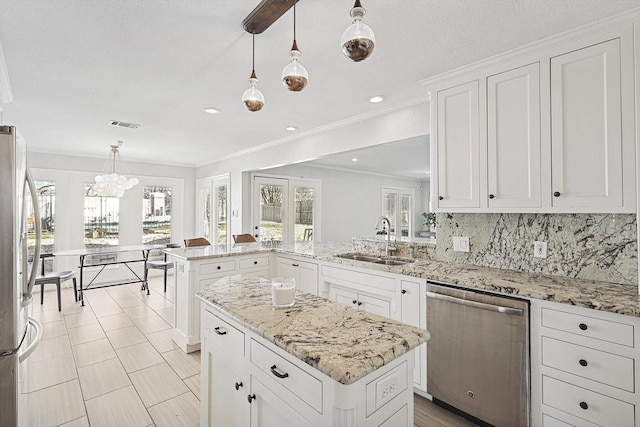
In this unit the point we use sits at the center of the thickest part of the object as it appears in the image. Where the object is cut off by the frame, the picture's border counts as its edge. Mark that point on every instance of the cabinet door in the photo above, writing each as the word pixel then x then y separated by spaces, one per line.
pixel 375 305
pixel 305 273
pixel 458 147
pixel 343 296
pixel 586 131
pixel 513 130
pixel 411 314
pixel 268 410
pixel 224 390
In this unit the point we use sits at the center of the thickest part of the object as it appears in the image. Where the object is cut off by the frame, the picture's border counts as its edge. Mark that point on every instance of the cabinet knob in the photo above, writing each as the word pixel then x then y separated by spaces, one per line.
pixel 238 385
pixel 255 262
pixel 583 362
pixel 255 235
pixel 255 228
pixel 583 326
pixel 404 291
pixel 556 194
pixel 219 267
pixel 251 397
pixel 491 196
pixel 354 301
pixel 584 405
pixel 359 303
pixel 441 198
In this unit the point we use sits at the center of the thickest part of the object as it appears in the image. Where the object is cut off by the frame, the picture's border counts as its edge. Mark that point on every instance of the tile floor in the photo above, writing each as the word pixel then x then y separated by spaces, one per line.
pixel 112 362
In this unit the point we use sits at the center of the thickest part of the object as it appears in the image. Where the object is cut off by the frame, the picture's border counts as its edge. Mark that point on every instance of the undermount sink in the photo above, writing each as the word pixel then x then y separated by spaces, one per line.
pixel 375 260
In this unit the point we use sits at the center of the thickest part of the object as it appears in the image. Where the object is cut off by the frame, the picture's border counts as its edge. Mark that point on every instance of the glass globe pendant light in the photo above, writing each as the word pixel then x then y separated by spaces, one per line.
pixel 358 39
pixel 294 75
pixel 252 98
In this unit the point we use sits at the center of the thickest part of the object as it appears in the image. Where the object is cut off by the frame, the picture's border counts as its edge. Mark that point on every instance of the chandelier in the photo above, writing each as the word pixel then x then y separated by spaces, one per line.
pixel 114 184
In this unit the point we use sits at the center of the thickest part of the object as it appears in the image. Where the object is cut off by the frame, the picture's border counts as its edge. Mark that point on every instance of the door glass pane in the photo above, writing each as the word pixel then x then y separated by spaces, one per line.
pixel 156 215
pixel 271 212
pixel 303 213
pixel 221 213
pixel 205 199
pixel 405 215
pixel 390 209
pixel 46 194
pixel 101 224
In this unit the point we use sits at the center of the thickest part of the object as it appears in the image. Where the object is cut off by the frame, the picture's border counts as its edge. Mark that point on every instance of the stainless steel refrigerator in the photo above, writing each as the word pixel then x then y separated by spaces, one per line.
pixel 19 334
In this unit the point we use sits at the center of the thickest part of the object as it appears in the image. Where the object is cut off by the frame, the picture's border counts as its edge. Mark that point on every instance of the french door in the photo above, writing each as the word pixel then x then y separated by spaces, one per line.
pixel 213 209
pixel 285 209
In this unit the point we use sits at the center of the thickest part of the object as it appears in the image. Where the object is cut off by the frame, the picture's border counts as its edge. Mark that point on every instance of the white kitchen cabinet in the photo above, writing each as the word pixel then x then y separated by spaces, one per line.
pixel 513 142
pixel 414 313
pixel 586 132
pixel 194 274
pixel 371 304
pixel 584 367
pixel 458 147
pixel 268 410
pixel 304 272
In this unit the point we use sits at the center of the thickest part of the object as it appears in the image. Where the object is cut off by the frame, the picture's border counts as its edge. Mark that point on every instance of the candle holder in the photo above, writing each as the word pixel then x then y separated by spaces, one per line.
pixel 283 292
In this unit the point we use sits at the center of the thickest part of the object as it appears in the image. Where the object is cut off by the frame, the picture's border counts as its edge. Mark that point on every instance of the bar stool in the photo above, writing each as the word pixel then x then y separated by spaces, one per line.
pixel 161 265
pixel 57 279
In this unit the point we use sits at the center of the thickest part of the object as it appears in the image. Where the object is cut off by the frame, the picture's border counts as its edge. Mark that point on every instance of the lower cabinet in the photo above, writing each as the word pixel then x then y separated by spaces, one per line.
pixel 247 381
pixel 304 272
pixel 379 305
pixel 413 299
pixel 584 367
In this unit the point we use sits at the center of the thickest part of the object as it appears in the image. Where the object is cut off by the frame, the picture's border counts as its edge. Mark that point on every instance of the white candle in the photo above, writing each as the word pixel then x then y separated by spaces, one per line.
pixel 283 292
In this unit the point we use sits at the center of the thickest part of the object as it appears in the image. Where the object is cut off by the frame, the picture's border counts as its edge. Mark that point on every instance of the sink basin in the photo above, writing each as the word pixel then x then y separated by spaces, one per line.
pixel 375 260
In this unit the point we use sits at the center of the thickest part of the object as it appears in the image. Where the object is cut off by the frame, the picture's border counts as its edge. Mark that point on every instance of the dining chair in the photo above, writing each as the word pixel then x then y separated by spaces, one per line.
pixel 198 241
pixel 57 278
pixel 161 265
pixel 243 238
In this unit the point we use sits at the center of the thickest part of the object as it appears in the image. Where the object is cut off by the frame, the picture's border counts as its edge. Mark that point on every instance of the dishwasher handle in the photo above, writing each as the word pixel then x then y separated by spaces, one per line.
pixel 481 305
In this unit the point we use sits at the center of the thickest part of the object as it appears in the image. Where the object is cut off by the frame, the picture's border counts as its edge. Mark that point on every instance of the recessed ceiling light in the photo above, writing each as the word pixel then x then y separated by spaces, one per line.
pixel 291 128
pixel 355 159
pixel 212 110
pixel 376 99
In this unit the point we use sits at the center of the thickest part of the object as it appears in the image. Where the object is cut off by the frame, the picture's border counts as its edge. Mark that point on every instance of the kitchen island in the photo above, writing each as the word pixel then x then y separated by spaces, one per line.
pixel 317 363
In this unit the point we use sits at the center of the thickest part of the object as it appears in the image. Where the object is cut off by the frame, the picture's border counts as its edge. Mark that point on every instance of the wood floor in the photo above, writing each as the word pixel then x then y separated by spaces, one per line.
pixel 113 363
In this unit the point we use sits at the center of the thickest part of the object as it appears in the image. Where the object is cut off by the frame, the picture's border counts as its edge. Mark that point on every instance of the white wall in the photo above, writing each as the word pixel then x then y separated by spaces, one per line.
pixel 403 123
pixel 71 173
pixel 351 202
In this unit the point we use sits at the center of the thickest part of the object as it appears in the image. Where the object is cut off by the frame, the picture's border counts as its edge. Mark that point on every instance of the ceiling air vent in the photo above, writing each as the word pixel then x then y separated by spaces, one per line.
pixel 124 124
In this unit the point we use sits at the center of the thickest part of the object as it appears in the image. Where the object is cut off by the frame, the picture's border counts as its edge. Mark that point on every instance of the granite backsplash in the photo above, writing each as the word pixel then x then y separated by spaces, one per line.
pixel 586 246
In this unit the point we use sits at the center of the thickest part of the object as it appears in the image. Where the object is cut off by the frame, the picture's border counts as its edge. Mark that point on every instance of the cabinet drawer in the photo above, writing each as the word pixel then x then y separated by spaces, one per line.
pixel 225 338
pixel 548 421
pixel 596 365
pixel 592 327
pixel 586 404
pixel 217 267
pixel 247 263
pixel 285 373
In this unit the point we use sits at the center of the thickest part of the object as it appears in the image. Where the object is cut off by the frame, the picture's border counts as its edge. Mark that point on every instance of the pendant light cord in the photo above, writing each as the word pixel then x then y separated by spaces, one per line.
pixel 253 51
pixel 294 18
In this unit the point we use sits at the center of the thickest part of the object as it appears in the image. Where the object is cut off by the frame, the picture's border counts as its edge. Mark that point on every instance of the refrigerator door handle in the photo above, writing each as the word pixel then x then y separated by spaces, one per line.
pixel 26 297
pixel 34 343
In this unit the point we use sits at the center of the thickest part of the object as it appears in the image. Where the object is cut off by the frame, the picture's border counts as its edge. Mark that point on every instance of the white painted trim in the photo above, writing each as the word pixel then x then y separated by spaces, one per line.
pixel 537 48
pixel 6 94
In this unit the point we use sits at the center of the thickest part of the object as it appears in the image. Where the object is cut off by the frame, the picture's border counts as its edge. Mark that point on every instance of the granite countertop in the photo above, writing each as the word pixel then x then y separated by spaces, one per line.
pixel 613 297
pixel 341 342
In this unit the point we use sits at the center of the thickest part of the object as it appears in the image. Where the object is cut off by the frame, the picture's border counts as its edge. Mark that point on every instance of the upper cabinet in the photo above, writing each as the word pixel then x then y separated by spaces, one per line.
pixel 586 132
pixel 458 147
pixel 547 130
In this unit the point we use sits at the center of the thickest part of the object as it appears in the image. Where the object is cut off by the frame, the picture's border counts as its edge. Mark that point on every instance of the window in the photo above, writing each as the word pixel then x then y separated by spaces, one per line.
pixel 101 224
pixel 397 205
pixel 156 215
pixel 212 209
pixel 46 194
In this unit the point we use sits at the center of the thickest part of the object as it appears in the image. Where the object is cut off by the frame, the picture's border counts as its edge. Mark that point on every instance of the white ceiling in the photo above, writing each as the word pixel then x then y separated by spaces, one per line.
pixel 76 65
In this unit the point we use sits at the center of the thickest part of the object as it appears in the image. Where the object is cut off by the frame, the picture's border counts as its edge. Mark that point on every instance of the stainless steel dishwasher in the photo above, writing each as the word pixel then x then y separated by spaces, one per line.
pixel 478 354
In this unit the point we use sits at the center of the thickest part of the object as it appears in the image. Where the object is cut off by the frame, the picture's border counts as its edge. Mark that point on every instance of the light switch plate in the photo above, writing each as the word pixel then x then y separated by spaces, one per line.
pixel 461 244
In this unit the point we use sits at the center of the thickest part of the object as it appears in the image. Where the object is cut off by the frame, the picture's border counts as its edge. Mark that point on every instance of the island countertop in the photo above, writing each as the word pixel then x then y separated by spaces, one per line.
pixel 343 343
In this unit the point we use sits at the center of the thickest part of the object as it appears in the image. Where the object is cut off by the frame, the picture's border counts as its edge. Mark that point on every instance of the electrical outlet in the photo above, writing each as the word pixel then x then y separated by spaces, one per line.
pixel 539 249
pixel 461 244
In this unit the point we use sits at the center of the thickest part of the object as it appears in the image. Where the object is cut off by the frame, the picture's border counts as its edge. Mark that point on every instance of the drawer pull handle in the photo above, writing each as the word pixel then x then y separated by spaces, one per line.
pixel 251 397
pixel 274 371
pixel 220 331
pixel 491 196
pixel 583 326
pixel 584 405
pixel 583 362
pixel 295 265
pixel 238 385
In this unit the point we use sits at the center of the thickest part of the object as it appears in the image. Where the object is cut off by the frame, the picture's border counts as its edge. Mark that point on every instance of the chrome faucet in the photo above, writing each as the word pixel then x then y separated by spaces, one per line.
pixel 380 221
